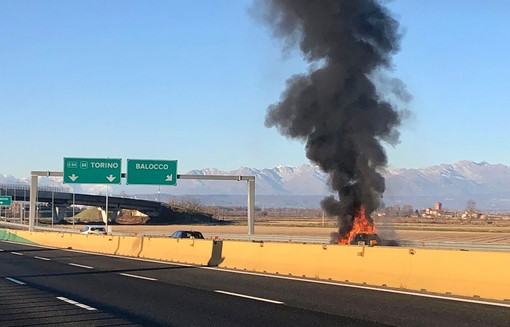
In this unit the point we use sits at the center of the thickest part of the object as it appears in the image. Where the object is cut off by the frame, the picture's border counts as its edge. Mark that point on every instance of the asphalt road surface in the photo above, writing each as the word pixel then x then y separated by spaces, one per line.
pixel 49 287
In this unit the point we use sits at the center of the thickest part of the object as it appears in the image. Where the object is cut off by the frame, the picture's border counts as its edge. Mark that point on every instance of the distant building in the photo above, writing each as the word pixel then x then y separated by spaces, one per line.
pixel 432 212
pixel 435 212
pixel 471 215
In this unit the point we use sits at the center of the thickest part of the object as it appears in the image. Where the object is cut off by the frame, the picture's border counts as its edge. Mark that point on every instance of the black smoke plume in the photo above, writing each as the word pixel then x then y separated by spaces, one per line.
pixel 336 108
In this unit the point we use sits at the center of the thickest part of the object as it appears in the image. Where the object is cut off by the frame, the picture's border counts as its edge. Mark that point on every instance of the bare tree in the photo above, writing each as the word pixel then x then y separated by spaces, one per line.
pixel 471 206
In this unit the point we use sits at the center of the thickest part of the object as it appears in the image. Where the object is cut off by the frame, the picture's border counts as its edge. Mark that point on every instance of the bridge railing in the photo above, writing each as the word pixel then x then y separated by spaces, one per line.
pixel 26 188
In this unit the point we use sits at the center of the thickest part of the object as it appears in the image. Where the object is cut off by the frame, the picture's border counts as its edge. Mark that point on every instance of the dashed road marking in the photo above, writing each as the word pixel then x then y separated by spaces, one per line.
pixel 78 304
pixel 81 266
pixel 15 281
pixel 42 258
pixel 249 297
pixel 136 276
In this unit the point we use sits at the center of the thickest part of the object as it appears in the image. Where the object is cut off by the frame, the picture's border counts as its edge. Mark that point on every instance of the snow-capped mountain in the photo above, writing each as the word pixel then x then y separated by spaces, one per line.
pixel 461 178
pixel 452 184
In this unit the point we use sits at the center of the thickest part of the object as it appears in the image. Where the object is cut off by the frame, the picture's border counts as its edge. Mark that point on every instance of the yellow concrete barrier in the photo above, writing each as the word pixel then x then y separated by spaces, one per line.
pixel 463 273
pixel 192 251
pixel 354 264
pixel 130 246
pixel 92 243
pixel 467 273
pixel 365 265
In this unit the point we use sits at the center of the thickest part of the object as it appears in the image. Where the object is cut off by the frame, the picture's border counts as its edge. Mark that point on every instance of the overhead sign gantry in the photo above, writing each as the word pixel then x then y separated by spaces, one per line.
pixel 148 172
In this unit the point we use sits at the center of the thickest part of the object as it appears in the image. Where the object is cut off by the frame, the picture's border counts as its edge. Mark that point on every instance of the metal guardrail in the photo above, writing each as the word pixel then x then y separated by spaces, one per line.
pixel 254 238
pixel 271 238
pixel 463 246
pixel 38 227
pixel 26 188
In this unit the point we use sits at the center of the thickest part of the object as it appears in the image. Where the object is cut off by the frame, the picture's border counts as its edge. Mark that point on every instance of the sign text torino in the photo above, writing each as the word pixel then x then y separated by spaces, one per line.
pixel 103 165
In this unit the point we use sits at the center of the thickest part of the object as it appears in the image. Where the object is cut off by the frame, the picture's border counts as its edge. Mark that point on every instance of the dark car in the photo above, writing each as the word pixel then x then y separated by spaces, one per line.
pixel 187 234
pixel 366 239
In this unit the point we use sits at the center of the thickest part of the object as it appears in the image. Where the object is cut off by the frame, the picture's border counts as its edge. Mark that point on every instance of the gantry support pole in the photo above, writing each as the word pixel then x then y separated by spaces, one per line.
pixel 34 181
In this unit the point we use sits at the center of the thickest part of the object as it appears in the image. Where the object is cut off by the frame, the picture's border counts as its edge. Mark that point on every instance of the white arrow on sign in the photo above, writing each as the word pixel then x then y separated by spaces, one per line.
pixel 169 178
pixel 73 177
pixel 111 178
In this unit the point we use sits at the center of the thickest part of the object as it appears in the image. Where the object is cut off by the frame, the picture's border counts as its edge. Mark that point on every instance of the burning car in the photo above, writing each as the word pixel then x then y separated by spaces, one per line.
pixel 363 231
pixel 366 239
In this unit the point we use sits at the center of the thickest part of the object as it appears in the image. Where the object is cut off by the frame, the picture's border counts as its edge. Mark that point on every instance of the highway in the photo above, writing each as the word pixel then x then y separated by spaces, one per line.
pixel 44 286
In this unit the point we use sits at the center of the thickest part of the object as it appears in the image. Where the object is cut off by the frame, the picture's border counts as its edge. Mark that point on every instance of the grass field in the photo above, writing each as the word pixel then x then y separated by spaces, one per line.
pixel 393 228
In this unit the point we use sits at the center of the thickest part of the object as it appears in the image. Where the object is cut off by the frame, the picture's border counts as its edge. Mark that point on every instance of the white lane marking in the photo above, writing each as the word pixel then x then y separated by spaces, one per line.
pixel 1 250
pixel 78 304
pixel 249 297
pixel 498 304
pixel 81 266
pixel 42 258
pixel 15 281
pixel 136 276
pixel 17 253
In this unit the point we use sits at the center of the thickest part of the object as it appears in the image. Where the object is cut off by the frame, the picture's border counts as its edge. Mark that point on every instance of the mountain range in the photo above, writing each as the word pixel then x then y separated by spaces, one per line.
pixel 488 185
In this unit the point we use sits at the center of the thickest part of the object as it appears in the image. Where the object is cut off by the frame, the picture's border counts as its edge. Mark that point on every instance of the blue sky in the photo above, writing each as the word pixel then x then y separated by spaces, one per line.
pixel 191 81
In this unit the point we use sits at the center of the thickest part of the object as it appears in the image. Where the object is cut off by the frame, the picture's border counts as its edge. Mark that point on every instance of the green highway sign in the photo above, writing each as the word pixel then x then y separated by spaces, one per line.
pixel 92 171
pixel 152 172
pixel 5 200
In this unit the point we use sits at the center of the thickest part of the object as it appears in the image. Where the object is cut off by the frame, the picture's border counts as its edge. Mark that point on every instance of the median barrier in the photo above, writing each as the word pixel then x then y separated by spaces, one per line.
pixel 479 274
pixel 356 264
pixel 130 246
pixel 192 251
pixel 449 272
pixel 106 244
pixel 92 243
pixel 242 255
pixel 379 266
pixel 36 237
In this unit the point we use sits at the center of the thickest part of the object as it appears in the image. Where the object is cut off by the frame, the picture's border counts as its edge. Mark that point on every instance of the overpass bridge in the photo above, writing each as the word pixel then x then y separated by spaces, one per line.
pixel 60 200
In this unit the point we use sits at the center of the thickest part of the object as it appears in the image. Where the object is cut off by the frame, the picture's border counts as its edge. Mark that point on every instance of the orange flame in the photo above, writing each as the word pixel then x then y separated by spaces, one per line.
pixel 360 225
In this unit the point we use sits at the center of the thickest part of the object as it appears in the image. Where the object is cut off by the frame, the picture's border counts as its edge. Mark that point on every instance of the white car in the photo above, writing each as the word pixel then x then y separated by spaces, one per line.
pixel 96 230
